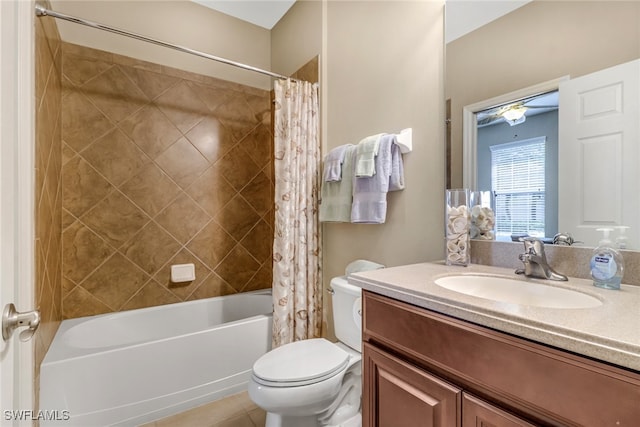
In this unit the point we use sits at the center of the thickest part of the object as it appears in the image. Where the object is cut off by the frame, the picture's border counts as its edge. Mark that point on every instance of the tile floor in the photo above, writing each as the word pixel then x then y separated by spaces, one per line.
pixel 233 411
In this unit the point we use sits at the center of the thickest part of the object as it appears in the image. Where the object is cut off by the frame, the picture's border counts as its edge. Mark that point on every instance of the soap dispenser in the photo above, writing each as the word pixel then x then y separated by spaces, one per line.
pixel 621 240
pixel 607 264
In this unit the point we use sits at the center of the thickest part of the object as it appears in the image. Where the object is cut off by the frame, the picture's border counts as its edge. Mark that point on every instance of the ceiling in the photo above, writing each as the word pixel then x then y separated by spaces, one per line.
pixel 264 13
pixel 537 104
pixel 462 16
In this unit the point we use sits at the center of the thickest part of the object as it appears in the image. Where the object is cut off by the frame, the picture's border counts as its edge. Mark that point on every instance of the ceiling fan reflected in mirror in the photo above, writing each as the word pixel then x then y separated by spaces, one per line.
pixel 516 112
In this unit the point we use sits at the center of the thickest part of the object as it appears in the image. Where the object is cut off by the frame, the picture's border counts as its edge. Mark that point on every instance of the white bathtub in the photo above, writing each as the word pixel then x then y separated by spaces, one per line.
pixel 137 366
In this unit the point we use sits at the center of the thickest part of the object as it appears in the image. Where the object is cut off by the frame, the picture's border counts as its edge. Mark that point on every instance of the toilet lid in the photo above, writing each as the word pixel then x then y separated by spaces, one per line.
pixel 300 362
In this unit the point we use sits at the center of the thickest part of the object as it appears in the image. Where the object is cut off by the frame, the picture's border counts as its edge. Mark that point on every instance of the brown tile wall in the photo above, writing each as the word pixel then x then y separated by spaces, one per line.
pixel 160 167
pixel 48 190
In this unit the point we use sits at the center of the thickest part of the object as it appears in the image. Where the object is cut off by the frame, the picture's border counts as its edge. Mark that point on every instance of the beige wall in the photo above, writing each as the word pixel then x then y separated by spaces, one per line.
pixel 377 77
pixel 384 73
pixel 180 22
pixel 297 37
pixel 384 77
pixel 538 42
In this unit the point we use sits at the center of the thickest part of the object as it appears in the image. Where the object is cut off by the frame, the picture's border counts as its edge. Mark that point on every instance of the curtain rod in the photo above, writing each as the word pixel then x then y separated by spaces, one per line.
pixel 41 11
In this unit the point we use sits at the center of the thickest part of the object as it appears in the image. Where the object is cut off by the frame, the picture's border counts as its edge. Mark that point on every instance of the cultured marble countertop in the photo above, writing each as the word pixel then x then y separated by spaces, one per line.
pixel 610 332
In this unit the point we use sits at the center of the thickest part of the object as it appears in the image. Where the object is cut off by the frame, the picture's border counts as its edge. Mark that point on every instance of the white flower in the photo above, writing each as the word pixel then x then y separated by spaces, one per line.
pixel 474 231
pixel 460 224
pixel 482 223
pixel 454 257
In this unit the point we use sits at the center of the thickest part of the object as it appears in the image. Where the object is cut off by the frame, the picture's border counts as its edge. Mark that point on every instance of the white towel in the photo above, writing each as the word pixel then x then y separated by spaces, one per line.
pixel 396 179
pixel 333 163
pixel 370 193
pixel 337 196
pixel 366 153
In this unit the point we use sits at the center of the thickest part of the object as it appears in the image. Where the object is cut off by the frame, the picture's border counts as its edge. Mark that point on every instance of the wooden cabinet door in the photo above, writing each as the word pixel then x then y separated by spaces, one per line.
pixel 397 394
pixel 478 413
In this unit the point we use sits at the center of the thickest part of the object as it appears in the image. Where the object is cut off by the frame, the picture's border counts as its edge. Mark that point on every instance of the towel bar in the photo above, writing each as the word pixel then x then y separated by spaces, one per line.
pixel 404 139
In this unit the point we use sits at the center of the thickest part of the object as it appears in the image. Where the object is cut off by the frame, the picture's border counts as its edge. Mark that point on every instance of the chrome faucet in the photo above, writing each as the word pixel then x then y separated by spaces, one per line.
pixel 535 261
pixel 564 239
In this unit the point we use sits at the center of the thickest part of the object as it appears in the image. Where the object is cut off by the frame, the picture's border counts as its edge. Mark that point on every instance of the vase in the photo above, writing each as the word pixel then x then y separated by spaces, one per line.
pixel 482 215
pixel 457 226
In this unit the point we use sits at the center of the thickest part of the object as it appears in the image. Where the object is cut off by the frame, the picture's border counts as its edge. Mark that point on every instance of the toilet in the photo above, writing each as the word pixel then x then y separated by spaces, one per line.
pixel 316 382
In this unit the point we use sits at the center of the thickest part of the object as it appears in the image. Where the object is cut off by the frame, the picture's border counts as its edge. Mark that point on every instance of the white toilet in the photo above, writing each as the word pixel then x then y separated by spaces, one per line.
pixel 316 382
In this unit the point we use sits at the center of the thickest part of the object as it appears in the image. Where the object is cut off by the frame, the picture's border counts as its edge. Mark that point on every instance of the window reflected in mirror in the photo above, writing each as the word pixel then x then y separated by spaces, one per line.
pixel 517 158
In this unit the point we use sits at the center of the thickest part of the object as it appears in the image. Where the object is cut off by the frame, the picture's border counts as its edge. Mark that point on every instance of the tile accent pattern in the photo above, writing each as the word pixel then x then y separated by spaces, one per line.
pixel 48 188
pixel 160 167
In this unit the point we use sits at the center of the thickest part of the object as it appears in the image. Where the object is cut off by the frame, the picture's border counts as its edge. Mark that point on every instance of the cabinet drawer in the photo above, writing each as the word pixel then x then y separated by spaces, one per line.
pixel 545 384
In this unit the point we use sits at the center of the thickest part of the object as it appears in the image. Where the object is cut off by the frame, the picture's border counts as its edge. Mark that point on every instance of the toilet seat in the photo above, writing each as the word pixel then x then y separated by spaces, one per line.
pixel 300 363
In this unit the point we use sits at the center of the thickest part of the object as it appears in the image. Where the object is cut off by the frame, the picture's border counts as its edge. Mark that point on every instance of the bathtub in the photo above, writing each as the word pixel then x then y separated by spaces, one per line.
pixel 137 366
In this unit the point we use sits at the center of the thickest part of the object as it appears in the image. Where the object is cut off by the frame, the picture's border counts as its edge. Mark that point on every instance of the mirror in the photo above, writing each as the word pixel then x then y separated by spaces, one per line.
pixel 530 50
pixel 516 157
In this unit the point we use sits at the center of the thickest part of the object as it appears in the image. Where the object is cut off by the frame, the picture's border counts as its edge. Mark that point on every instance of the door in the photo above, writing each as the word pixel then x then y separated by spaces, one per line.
pixel 16 202
pixel 598 154
pixel 397 394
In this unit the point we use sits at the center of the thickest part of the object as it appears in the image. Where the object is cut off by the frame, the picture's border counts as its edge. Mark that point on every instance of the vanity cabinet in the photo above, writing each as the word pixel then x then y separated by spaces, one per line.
pixel 423 368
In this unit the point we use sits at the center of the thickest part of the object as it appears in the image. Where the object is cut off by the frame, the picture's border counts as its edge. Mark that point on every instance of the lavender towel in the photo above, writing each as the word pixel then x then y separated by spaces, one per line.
pixel 333 163
pixel 370 193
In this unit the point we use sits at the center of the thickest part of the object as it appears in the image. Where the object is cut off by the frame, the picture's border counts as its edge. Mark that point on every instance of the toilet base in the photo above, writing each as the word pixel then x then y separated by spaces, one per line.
pixel 277 420
pixel 343 412
pixel 355 421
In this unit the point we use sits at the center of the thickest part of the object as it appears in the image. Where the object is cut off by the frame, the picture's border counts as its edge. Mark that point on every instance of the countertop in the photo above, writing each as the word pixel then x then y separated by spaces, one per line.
pixel 610 332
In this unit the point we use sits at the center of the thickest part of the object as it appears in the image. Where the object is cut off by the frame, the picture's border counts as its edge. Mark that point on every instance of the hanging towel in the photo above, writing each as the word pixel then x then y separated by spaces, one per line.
pixel 333 163
pixel 335 205
pixel 370 193
pixel 396 180
pixel 366 153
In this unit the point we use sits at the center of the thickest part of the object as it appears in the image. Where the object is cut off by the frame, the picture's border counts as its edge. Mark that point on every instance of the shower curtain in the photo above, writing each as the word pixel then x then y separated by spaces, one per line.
pixel 297 286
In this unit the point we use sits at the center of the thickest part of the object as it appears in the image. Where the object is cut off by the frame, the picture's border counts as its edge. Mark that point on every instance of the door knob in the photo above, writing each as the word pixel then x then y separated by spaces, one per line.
pixel 13 319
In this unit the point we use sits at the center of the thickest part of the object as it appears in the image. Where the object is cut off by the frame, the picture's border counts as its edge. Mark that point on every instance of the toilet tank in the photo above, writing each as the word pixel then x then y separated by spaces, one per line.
pixel 347 312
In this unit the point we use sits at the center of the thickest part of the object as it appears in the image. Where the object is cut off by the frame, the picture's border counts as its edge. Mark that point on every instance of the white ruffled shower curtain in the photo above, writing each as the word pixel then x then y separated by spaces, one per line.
pixel 297 285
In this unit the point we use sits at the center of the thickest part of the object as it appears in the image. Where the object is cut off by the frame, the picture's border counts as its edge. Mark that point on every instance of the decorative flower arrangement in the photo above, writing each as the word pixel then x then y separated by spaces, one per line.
pixel 483 222
pixel 457 233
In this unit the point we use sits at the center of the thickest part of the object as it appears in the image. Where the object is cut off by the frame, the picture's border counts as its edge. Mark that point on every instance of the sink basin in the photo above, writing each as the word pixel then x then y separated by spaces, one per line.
pixel 517 291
